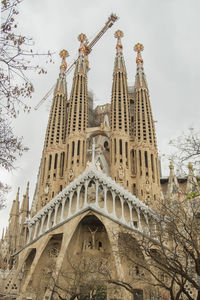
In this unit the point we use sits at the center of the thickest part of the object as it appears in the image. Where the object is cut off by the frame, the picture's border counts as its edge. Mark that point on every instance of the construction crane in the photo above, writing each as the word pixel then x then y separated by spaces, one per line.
pixel 88 48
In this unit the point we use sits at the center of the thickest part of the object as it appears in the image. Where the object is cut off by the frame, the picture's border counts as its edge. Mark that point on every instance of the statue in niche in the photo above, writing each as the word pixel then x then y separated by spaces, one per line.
pixel 106 121
pixel 98 165
pixel 89 164
pixel 147 187
pixel 46 189
pixel 121 173
pixel 92 243
pixel 44 202
pixel 70 175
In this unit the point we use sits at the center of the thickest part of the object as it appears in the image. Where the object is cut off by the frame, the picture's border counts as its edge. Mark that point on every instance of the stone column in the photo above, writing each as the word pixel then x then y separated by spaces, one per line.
pixel 97 194
pixel 105 200
pixel 85 199
pixel 122 206
pixel 147 223
pixel 114 211
pixel 62 210
pixel 131 216
pixel 139 221
pixel 70 204
pixel 78 198
pixel 55 214
pixel 30 229
pixel 42 224
pixel 36 229
pixel 48 220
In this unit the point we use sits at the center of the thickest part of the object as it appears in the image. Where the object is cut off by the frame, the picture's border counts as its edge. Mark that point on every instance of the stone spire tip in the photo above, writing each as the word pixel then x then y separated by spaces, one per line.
pixel 63 54
pixel 118 35
pixel 139 48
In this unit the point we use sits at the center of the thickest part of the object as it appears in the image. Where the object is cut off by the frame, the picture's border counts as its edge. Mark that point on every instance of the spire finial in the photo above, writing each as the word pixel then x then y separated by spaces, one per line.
pixel 138 48
pixel 27 189
pixel 82 37
pixel 17 197
pixel 63 54
pixel 119 34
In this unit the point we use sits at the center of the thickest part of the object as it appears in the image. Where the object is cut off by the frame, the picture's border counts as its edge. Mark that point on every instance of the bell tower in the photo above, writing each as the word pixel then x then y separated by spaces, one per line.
pixel 144 153
pixel 120 160
pixel 51 173
pixel 77 116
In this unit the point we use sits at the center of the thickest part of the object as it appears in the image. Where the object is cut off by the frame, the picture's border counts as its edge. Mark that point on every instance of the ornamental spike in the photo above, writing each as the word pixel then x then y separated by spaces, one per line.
pixel 138 48
pixel 119 34
pixel 63 54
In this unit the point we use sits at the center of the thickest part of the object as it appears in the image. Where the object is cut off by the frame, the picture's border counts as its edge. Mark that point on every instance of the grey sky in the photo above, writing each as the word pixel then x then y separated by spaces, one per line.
pixel 169 31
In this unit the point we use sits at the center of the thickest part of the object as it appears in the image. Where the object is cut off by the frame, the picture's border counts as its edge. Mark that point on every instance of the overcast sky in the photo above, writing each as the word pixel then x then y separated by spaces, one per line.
pixel 169 31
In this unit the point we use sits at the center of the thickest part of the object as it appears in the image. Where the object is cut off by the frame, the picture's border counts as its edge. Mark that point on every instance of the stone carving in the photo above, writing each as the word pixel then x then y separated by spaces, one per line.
pixel 44 202
pixel 89 164
pixel 121 173
pixel 71 175
pixel 46 189
pixel 98 166
pixel 147 187
pixel 93 237
pixel 53 251
pixel 106 121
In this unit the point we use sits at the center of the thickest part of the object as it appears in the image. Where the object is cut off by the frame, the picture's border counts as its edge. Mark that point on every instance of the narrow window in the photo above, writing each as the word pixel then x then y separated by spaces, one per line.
pixel 44 169
pixel 55 161
pixel 73 149
pixel 140 158
pixel 126 150
pixel 50 158
pixel 78 148
pixel 120 147
pixel 62 161
pixel 146 159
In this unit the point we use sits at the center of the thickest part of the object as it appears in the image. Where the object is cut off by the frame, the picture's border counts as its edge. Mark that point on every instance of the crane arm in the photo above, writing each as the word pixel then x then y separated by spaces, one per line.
pixel 45 97
pixel 111 20
pixel 88 48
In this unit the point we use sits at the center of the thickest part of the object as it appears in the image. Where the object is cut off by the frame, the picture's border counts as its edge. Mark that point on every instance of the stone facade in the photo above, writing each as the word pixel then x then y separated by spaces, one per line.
pixel 99 174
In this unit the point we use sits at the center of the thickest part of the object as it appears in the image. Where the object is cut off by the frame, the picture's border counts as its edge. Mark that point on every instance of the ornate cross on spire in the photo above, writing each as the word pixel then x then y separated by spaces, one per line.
pixel 82 38
pixel 119 34
pixel 138 48
pixel 63 55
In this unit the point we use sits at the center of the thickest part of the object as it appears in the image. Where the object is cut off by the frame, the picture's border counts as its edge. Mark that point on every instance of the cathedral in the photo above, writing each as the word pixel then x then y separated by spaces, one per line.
pixel 99 174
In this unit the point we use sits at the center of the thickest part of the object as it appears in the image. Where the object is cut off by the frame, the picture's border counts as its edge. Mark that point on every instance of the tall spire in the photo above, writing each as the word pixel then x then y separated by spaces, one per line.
pixel 144 152
pixel 61 86
pixel 15 206
pixel 51 179
pixel 140 76
pixel 120 163
pixel 78 115
pixel 24 213
pixel 13 227
pixel 173 189
pixel 119 60
pixel 25 202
